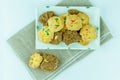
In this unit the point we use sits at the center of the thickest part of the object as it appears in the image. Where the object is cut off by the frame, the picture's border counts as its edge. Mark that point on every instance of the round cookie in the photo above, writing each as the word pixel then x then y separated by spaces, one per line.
pixel 35 60
pixel 88 33
pixel 70 37
pixel 45 34
pixel 55 23
pixel 73 23
pixel 84 17
pixel 50 63
pixel 45 16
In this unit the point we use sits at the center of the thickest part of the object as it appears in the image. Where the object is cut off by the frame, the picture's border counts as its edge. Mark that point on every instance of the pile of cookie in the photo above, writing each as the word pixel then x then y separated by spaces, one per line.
pixel 70 27
pixel 47 62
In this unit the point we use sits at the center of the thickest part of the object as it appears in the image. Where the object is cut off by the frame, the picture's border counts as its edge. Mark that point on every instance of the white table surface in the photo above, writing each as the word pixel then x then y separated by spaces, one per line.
pixel 102 64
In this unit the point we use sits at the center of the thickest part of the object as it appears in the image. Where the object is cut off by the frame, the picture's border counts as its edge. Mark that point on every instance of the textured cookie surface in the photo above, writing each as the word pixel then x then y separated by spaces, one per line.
pixel 73 22
pixel 55 23
pixel 35 60
pixel 70 37
pixel 45 34
pixel 50 62
pixel 87 34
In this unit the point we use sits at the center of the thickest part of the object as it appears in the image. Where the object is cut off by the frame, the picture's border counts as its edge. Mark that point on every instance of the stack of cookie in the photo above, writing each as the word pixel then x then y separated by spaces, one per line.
pixel 71 27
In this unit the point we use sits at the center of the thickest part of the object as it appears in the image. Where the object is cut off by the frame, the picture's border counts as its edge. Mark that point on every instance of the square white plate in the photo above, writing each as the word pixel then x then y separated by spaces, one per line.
pixel 93 14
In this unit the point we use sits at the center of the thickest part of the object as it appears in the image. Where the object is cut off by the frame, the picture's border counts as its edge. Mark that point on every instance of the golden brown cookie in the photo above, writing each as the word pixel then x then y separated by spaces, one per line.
pixel 73 23
pixel 87 33
pixel 50 62
pixel 55 23
pixel 35 60
pixel 45 34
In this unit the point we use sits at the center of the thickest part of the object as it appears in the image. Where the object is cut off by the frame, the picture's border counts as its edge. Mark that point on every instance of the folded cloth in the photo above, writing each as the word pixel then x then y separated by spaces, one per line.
pixel 23 43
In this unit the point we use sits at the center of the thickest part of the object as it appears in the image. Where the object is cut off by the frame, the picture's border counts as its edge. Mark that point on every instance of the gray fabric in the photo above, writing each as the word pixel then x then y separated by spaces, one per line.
pixel 23 43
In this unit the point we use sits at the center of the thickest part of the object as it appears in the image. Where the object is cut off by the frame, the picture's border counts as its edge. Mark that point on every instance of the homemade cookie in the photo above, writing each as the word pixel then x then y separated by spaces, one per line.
pixel 35 60
pixel 73 23
pixel 88 33
pixel 50 62
pixel 45 34
pixel 55 23
pixel 70 37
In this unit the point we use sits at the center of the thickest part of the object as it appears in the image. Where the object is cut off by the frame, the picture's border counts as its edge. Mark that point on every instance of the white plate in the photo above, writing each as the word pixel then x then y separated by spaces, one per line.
pixel 93 14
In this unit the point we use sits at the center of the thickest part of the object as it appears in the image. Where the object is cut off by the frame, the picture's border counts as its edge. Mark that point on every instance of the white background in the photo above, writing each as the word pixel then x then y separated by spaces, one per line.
pixel 102 64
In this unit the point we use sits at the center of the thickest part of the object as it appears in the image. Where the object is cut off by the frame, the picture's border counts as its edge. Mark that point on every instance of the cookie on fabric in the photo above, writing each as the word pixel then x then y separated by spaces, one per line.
pixel 50 62
pixel 35 60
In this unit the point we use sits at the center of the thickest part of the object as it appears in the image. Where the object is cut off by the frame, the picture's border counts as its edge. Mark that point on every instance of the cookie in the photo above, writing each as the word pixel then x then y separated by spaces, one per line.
pixel 70 37
pixel 73 23
pixel 50 63
pixel 45 34
pixel 88 33
pixel 55 23
pixel 35 60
